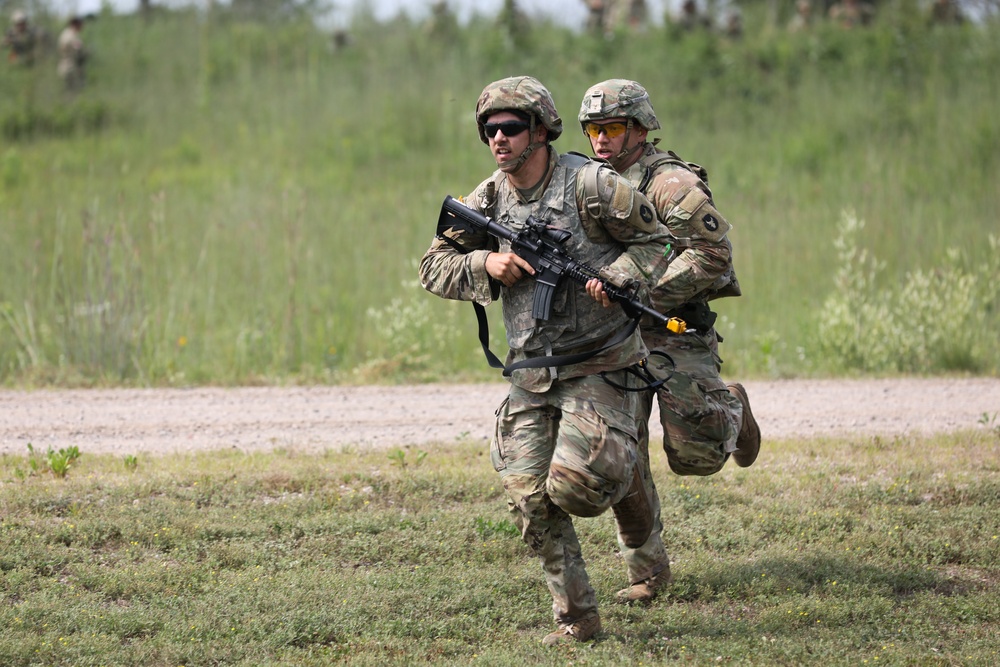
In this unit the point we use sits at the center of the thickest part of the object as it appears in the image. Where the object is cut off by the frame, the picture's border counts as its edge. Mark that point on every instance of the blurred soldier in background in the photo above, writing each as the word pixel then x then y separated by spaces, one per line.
pixel 946 12
pixel 704 420
pixel 595 16
pixel 340 38
pixel 514 23
pixel 802 20
pixel 631 14
pixel 442 24
pixel 565 440
pixel 690 17
pixel 732 22
pixel 852 13
pixel 72 55
pixel 22 39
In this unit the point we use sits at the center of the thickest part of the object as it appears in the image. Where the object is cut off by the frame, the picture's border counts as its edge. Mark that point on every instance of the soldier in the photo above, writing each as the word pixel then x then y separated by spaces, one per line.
pixel 513 23
pixel 704 420
pixel 852 13
pixel 442 24
pixel 72 55
pixel 631 14
pixel 802 21
pixel 595 16
pixel 565 441
pixel 690 18
pixel 946 12
pixel 22 40
pixel 732 23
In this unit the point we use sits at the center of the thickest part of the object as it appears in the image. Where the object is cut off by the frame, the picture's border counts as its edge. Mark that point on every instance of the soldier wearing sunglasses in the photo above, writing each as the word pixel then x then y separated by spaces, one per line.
pixel 565 441
pixel 704 420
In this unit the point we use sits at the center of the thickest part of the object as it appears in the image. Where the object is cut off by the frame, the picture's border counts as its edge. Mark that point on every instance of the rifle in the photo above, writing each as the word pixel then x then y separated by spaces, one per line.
pixel 541 246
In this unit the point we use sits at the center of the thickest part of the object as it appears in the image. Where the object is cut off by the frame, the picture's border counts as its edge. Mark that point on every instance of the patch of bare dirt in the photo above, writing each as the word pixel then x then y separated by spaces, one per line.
pixel 132 421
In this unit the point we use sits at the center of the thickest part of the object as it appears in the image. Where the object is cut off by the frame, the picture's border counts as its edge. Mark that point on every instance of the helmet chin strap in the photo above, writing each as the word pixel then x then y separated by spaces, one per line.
pixel 514 165
pixel 622 157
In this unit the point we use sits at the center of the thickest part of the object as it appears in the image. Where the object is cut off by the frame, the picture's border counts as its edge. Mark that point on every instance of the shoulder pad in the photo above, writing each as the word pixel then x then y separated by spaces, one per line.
pixel 704 220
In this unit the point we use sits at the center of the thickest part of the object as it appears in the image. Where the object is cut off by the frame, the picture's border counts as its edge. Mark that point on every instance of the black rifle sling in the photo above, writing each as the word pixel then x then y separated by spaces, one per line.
pixel 484 326
pixel 534 362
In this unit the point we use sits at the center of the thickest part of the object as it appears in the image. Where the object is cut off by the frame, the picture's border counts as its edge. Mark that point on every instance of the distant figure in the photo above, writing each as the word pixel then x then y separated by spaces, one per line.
pixel 339 40
pixel 946 12
pixel 691 18
pixel 22 40
pixel 442 24
pixel 732 23
pixel 803 19
pixel 638 15
pixel 852 13
pixel 513 22
pixel 595 16
pixel 72 55
pixel 631 14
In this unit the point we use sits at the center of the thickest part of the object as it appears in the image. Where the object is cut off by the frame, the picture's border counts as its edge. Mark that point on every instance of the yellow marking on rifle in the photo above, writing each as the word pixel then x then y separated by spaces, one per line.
pixel 677 325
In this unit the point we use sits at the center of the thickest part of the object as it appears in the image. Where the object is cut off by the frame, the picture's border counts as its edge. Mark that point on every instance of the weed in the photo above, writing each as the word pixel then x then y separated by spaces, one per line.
pixel 57 462
pixel 399 459
pixel 930 322
pixel 487 528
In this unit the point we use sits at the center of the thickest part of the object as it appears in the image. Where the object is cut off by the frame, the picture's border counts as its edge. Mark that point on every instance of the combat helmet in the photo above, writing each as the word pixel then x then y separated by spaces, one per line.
pixel 618 98
pixel 524 94
pixel 18 17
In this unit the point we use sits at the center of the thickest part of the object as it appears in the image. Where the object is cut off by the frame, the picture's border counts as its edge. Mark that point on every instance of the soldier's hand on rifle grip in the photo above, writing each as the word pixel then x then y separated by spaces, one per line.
pixel 507 267
pixel 595 288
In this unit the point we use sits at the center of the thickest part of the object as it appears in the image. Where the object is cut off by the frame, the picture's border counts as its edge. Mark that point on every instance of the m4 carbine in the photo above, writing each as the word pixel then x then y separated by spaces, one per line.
pixel 542 247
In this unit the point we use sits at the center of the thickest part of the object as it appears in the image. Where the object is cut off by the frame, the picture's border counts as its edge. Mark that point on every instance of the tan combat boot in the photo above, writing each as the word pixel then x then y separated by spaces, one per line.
pixel 578 631
pixel 748 441
pixel 644 591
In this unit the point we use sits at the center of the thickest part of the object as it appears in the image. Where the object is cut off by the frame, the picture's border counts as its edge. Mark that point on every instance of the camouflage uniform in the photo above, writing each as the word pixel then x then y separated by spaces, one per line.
pixel 701 418
pixel 946 12
pixel 22 40
pixel 802 21
pixel 565 441
pixel 852 13
pixel 595 16
pixel 72 55
pixel 690 18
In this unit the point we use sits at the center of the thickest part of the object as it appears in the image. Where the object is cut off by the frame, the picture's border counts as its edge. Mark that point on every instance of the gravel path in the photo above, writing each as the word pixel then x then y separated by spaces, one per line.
pixel 132 421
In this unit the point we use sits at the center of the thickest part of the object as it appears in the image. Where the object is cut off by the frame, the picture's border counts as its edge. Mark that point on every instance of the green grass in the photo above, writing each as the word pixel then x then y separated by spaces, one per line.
pixel 231 202
pixel 879 551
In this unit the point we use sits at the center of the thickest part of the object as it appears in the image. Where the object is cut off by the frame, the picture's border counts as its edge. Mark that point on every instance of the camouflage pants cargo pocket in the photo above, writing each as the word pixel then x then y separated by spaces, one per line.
pixel 497 457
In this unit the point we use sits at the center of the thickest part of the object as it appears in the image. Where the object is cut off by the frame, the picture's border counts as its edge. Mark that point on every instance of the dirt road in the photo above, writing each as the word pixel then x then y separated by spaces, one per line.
pixel 132 421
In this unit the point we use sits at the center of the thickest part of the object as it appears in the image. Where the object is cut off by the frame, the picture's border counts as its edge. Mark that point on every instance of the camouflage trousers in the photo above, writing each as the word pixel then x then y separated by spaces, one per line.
pixel 651 558
pixel 568 451
pixel 700 418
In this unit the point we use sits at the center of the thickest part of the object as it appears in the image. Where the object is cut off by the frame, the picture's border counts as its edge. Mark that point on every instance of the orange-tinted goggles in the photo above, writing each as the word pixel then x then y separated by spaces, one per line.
pixel 611 130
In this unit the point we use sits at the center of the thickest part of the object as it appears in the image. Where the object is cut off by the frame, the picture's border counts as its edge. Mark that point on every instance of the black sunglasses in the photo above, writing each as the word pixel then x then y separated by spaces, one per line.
pixel 510 128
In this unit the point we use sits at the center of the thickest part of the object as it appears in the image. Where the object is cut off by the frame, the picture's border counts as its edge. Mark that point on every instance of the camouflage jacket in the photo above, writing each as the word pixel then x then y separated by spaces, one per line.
pixel 625 237
pixel 702 261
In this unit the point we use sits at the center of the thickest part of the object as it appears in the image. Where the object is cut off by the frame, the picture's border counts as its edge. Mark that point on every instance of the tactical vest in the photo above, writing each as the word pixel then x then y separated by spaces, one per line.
pixel 577 321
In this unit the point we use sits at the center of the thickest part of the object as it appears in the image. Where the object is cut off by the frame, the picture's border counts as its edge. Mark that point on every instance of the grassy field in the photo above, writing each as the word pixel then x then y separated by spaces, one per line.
pixel 877 551
pixel 230 202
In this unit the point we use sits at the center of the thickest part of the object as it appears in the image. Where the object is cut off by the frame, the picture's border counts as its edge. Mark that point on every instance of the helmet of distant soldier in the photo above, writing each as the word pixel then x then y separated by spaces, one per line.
pixel 18 17
pixel 520 94
pixel 618 98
